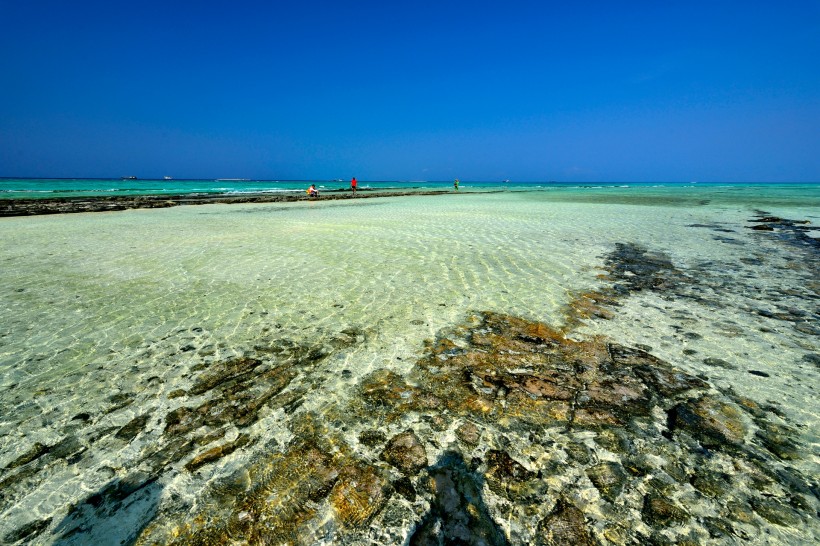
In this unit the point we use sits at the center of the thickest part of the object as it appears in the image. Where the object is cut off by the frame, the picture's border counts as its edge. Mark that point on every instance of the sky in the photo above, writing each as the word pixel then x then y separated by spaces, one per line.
pixel 424 90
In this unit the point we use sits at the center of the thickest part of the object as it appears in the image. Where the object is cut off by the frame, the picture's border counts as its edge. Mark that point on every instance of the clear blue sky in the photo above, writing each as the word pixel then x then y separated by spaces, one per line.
pixel 422 90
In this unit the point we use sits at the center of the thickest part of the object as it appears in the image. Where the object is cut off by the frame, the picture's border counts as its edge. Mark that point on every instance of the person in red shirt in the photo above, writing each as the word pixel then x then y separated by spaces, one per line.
pixel 353 185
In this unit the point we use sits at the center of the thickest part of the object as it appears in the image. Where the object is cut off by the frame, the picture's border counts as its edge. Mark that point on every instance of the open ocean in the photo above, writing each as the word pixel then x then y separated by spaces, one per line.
pixel 523 363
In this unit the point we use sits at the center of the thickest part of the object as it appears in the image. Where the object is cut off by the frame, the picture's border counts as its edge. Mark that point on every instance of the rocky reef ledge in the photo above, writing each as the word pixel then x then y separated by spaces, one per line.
pixel 64 205
pixel 507 431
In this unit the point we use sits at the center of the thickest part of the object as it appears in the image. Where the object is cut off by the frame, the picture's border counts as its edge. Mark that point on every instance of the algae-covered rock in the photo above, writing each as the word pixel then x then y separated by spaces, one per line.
pixel 774 511
pixel 564 525
pixel 715 423
pixel 778 440
pixel 384 392
pixel 711 484
pixel 635 268
pixel 66 448
pixel 609 478
pixel 404 487
pixel 222 372
pixel 509 478
pixel 660 511
pixel 360 492
pixel 217 453
pixel 269 501
pixel 372 438
pixel 469 433
pixel 34 452
pixel 578 453
pixel 27 532
pixel 502 467
pixel 405 452
pixel 134 427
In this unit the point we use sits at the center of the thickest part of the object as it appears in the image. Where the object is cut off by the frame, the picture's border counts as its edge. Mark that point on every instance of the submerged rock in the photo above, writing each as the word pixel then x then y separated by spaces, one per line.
pixel 712 484
pixel 229 370
pixel 469 434
pixel 565 525
pixel 359 494
pixel 715 423
pixel 719 362
pixel 405 452
pixel 509 478
pixel 404 487
pixel 775 511
pixel 120 400
pixel 372 438
pixel 609 478
pixel 37 450
pixel 66 448
pixel 660 511
pixel 241 395
pixel 634 268
pixel 216 453
pixel 271 499
pixel 503 468
pixel 28 531
pixel 777 439
pixel 812 358
pixel 134 427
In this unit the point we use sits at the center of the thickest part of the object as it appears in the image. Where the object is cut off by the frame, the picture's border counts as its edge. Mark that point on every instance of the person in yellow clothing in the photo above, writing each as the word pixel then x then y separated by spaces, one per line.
pixel 455 184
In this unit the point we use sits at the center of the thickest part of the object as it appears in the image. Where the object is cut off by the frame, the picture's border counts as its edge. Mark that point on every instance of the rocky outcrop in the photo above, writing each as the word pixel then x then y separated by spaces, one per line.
pixel 65 205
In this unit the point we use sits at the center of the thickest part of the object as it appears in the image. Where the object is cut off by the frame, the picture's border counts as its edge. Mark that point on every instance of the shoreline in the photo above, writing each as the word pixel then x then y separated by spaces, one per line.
pixel 68 205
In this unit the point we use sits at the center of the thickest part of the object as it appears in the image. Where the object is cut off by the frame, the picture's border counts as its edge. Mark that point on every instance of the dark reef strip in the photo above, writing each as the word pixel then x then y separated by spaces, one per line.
pixel 64 205
pixel 795 232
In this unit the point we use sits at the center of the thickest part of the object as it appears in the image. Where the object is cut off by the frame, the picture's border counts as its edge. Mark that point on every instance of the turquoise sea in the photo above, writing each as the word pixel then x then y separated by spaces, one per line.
pixel 28 188
pixel 11 188
pixel 515 363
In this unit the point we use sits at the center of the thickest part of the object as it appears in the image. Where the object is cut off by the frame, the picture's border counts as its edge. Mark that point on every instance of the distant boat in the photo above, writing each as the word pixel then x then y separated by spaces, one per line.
pixel 167 178
pixel 129 178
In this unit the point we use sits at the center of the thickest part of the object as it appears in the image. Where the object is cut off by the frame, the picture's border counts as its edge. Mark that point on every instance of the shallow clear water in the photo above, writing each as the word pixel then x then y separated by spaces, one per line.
pixel 106 315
